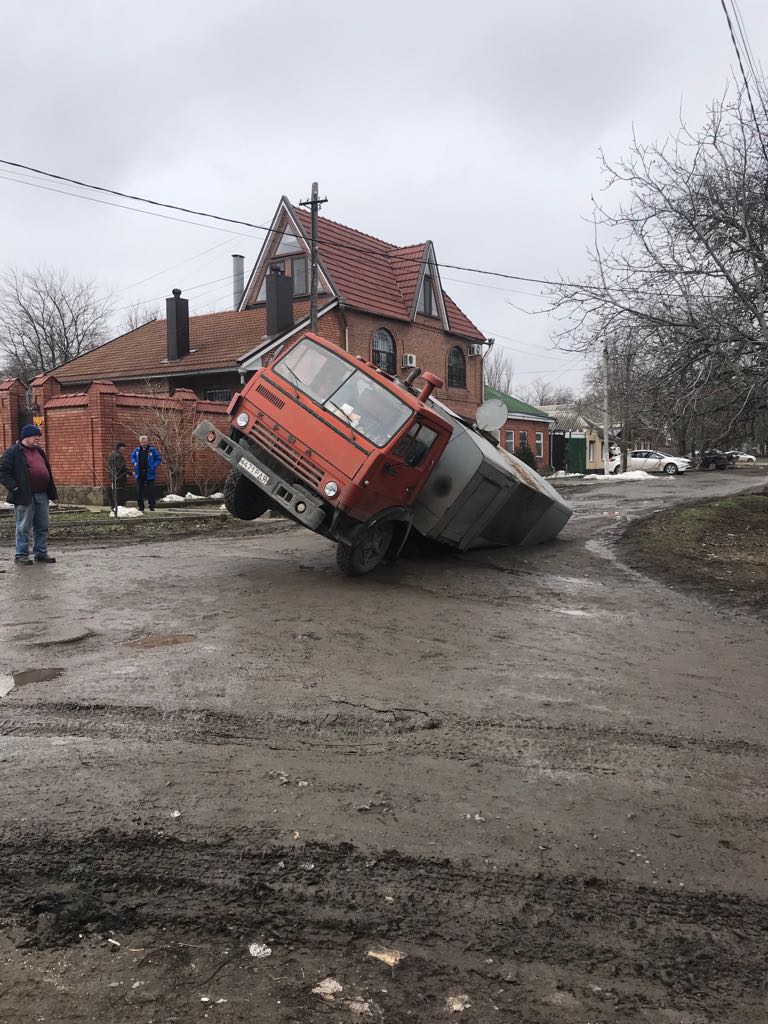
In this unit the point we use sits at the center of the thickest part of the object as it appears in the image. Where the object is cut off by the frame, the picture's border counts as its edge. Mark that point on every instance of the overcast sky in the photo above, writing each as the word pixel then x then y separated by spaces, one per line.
pixel 476 125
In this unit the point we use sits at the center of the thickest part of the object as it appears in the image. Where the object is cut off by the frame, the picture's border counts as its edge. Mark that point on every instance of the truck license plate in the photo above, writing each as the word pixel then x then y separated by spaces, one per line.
pixel 254 471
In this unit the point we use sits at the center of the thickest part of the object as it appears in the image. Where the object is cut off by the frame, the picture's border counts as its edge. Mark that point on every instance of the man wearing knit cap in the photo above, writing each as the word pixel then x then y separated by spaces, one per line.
pixel 26 473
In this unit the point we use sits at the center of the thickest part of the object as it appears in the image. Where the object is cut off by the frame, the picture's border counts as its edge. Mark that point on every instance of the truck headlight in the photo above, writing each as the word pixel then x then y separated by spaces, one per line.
pixel 242 419
pixel 331 489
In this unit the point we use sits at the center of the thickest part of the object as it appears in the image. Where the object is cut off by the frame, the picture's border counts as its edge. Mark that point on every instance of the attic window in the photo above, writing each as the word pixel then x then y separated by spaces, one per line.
pixel 288 243
pixel 427 297
pixel 294 267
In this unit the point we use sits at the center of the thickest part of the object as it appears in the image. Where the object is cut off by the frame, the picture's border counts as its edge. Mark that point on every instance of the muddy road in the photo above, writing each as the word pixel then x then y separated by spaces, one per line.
pixel 533 782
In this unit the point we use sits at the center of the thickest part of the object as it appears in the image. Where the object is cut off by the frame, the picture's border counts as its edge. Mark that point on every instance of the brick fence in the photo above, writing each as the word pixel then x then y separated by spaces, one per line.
pixel 80 430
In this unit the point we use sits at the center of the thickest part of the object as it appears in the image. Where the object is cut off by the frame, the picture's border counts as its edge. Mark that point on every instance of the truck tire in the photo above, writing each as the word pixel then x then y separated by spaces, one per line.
pixel 367 554
pixel 242 498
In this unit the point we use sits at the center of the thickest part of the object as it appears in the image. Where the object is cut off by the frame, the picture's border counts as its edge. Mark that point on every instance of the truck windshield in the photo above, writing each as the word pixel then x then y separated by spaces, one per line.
pixel 343 390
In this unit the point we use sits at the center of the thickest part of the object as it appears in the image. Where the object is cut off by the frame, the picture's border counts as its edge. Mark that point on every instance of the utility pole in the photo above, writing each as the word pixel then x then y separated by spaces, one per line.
pixel 606 422
pixel 314 203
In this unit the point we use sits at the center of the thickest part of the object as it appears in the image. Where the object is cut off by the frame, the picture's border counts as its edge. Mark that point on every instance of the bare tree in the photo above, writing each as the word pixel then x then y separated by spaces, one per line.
pixel 47 318
pixel 540 392
pixel 680 264
pixel 137 315
pixel 498 370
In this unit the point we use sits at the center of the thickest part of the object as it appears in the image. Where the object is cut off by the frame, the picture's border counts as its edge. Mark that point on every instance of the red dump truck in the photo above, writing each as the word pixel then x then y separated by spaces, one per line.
pixel 363 458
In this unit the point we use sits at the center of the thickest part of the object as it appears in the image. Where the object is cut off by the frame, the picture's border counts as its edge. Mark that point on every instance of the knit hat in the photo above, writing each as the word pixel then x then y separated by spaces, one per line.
pixel 31 431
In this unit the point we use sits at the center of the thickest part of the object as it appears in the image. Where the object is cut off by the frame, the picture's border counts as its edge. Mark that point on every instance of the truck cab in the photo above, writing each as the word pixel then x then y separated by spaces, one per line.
pixel 336 443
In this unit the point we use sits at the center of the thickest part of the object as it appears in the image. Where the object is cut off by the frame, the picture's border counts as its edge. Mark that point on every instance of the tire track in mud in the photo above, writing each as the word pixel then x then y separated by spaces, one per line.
pixel 346 722
pixel 700 949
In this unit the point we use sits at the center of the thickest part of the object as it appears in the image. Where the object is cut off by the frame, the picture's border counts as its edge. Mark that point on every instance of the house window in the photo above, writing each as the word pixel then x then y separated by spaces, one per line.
pixel 218 395
pixel 288 243
pixel 457 369
pixel 539 445
pixel 384 352
pixel 299 275
pixel 591 451
pixel 427 297
pixel 274 265
pixel 523 438
pixel 509 441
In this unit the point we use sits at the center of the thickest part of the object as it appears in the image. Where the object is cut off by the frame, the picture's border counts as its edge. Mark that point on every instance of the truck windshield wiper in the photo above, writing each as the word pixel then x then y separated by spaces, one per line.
pixel 296 379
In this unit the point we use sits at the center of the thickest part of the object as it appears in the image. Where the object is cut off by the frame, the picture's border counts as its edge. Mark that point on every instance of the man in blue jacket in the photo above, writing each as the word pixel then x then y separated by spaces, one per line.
pixel 26 472
pixel 145 459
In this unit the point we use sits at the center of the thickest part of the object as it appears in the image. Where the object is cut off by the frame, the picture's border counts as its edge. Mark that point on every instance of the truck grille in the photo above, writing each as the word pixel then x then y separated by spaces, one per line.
pixel 282 452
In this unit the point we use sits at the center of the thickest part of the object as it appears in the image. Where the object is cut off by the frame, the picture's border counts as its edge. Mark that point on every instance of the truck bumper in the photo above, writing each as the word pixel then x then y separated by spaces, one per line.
pixel 301 504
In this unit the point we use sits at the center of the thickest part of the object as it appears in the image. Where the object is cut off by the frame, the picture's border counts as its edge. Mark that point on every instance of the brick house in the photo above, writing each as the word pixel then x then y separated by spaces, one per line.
pixel 377 300
pixel 525 425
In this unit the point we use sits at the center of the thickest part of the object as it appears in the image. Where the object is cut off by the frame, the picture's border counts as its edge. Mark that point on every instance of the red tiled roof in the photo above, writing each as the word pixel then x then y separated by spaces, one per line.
pixel 216 341
pixel 406 266
pixel 370 277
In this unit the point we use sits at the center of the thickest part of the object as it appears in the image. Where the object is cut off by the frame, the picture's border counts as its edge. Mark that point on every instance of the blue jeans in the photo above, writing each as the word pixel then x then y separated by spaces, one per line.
pixel 32 519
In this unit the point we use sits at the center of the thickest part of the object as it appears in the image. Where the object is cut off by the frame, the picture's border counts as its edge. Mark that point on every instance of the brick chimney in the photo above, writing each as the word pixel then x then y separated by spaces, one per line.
pixel 177 326
pixel 279 302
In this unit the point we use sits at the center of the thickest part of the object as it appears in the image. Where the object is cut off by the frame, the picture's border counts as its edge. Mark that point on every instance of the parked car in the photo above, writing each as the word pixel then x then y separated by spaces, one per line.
pixel 651 461
pixel 713 458
pixel 738 456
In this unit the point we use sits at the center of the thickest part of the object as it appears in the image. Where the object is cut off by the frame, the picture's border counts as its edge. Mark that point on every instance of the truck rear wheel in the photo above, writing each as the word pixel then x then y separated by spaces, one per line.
pixel 242 497
pixel 367 554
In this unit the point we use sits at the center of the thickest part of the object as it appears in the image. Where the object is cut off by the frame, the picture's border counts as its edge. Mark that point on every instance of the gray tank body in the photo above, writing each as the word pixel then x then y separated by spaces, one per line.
pixel 478 495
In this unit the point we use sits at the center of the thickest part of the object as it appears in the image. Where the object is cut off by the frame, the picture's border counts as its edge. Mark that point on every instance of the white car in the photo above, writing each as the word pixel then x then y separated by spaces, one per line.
pixel 650 461
pixel 737 456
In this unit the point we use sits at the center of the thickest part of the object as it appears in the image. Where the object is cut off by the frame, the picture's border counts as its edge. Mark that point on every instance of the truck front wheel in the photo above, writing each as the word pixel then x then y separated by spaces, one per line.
pixel 242 498
pixel 368 553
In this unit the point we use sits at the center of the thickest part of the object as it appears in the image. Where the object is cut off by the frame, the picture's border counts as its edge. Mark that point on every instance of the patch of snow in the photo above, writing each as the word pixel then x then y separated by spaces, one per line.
pixel 189 496
pixel 455 1004
pixel 171 497
pixel 222 508
pixel 561 475
pixel 7 683
pixel 5 504
pixel 328 989
pixel 259 950
pixel 218 496
pixel 128 513
pixel 632 474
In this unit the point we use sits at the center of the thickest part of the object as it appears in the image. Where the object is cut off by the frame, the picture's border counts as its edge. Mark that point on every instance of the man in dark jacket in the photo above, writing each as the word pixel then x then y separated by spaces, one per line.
pixel 145 459
pixel 26 472
pixel 118 474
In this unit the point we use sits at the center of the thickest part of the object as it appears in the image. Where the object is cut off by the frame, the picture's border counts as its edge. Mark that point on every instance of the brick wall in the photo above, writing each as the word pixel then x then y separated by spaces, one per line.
pixel 80 430
pixel 13 396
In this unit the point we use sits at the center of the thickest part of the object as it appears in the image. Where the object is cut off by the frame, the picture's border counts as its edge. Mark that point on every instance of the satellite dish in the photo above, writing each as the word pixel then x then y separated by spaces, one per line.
pixel 491 415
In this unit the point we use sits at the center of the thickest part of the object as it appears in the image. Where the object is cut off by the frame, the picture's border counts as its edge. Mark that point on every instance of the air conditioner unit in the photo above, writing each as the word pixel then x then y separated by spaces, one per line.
pixel 475 350
pixel 409 360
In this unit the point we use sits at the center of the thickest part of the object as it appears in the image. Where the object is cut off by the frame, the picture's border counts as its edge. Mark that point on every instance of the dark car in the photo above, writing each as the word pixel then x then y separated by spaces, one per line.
pixel 713 458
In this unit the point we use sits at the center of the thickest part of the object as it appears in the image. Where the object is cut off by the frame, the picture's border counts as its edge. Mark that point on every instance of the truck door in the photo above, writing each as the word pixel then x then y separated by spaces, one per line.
pixel 407 466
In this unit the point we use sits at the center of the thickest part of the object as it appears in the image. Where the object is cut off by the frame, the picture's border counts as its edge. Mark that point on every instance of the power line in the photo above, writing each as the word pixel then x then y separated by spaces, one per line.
pixel 248 224
pixel 119 206
pixel 757 77
pixel 744 78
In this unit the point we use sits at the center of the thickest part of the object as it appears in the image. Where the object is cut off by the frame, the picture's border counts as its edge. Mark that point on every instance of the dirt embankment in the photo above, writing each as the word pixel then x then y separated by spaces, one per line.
pixel 718 549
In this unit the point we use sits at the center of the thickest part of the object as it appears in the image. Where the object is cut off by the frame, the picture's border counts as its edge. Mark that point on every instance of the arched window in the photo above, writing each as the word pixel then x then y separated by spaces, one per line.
pixel 384 352
pixel 457 369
